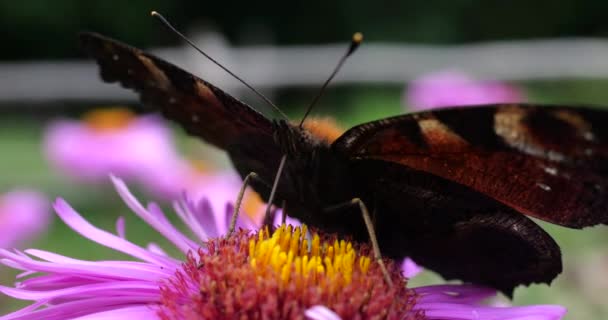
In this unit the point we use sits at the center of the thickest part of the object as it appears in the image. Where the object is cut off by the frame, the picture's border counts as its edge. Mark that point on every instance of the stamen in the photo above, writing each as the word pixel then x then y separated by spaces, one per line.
pixel 286 252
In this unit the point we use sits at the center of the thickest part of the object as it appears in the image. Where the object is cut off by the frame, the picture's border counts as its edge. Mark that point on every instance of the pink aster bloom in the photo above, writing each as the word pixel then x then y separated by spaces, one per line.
pixel 226 273
pixel 113 141
pixel 452 88
pixel 24 214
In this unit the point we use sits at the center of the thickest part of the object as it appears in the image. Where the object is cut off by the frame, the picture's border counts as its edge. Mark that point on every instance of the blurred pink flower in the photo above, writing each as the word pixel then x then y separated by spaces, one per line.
pixel 452 88
pixel 24 215
pixel 113 141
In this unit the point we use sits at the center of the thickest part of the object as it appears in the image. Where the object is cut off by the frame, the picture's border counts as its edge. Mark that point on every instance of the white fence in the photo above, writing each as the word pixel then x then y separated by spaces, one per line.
pixel 271 67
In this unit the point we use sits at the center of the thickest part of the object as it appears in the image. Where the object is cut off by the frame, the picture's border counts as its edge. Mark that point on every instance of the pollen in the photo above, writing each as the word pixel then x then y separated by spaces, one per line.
pixel 300 262
pixel 108 119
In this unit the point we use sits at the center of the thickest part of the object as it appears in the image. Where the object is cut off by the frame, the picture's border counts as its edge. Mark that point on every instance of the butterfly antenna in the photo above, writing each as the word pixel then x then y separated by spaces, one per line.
pixel 354 44
pixel 188 41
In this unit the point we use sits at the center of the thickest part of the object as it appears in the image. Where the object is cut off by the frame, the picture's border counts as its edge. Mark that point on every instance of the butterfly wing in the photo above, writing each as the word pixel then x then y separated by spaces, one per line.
pixel 497 249
pixel 549 163
pixel 452 229
pixel 201 108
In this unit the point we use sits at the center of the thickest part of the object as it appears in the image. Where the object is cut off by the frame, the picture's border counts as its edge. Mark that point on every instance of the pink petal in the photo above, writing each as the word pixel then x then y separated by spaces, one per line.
pixel 321 313
pixel 128 313
pixel 155 218
pixel 75 221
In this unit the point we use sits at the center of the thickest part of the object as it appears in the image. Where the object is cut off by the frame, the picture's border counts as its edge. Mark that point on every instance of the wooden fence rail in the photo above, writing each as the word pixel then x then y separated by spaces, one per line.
pixel 273 67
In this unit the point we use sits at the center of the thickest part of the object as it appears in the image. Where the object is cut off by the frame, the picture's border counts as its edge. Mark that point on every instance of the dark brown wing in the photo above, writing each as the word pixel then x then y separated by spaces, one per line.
pixel 550 163
pixel 452 229
pixel 202 109
pixel 498 249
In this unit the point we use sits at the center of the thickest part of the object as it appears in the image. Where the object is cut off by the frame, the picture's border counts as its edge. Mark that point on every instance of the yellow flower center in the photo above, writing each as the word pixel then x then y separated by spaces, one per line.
pixel 282 274
pixel 108 119
pixel 301 262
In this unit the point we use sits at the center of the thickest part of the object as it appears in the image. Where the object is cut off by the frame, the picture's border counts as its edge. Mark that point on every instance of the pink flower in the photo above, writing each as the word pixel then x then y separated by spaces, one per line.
pixel 113 141
pixel 452 88
pixel 24 215
pixel 247 275
pixel 225 186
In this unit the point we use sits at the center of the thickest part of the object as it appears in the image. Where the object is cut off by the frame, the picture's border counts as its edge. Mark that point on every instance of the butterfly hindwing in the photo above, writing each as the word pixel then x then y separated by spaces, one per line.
pixel 550 163
pixel 498 249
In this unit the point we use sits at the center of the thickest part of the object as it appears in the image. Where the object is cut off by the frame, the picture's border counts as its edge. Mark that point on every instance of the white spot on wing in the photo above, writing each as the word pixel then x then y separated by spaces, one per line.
pixel 195 118
pixel 350 139
pixel 551 170
pixel 115 57
pixel 543 186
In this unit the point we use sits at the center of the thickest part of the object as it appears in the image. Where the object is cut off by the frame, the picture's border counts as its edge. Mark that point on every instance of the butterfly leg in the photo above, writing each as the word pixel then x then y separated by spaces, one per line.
pixel 270 216
pixel 283 214
pixel 371 232
pixel 239 200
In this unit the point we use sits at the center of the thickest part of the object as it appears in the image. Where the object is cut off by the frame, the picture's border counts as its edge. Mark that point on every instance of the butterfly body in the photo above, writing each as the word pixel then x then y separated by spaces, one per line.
pixel 451 188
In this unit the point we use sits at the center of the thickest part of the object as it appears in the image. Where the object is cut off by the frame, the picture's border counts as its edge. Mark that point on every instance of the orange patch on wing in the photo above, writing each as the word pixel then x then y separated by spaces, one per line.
pixel 158 77
pixel 324 128
pixel 441 138
pixel 203 90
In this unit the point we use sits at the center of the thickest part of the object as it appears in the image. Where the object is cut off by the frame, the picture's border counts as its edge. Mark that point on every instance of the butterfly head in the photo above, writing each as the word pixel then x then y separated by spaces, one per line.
pixel 294 141
pixel 315 132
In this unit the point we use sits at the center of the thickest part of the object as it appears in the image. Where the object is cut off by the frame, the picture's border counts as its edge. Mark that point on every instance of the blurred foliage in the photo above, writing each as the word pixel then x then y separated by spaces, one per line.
pixel 47 29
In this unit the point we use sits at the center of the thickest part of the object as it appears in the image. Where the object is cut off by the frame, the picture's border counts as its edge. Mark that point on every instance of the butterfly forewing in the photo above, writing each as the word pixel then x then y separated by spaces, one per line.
pixel 202 109
pixel 549 163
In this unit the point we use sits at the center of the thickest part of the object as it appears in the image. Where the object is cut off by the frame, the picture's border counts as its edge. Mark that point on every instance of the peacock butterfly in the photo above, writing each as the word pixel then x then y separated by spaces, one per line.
pixel 450 188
